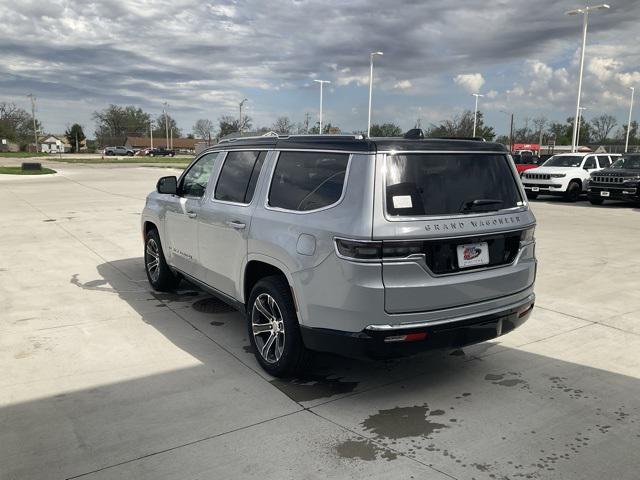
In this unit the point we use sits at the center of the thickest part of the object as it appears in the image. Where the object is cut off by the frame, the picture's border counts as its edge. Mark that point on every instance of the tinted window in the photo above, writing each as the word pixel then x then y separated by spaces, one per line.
pixel 630 162
pixel 590 163
pixel 239 176
pixel 443 184
pixel 604 161
pixel 307 180
pixel 195 181
pixel 564 161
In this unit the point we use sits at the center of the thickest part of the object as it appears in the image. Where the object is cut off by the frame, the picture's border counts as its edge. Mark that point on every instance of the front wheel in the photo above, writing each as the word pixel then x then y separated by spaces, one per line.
pixel 274 331
pixel 159 274
pixel 573 192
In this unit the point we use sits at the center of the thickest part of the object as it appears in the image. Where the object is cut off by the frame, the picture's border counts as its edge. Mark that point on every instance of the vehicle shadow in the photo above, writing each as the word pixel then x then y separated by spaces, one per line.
pixel 498 412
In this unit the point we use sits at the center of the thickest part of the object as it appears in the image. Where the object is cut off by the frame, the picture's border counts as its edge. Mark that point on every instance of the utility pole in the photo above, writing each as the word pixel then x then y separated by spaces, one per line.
pixel 33 114
pixel 166 123
pixel 307 119
pixel 626 143
pixel 475 113
pixel 77 149
pixel 151 132
pixel 371 55
pixel 511 135
pixel 321 82
pixel 240 117
pixel 171 138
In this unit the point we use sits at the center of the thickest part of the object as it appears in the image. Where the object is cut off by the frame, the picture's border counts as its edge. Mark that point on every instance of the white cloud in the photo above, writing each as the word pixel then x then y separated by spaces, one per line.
pixel 403 85
pixel 471 82
pixel 492 94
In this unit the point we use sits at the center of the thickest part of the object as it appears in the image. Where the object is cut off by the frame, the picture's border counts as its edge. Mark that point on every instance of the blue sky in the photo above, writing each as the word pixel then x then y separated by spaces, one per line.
pixel 78 56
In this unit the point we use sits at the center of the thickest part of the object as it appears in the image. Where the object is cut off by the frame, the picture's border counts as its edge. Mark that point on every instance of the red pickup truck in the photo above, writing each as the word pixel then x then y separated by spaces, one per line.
pixel 526 162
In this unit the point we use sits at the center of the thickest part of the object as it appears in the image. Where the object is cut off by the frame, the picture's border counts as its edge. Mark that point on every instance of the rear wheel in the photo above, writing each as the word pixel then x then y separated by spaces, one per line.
pixel 274 331
pixel 573 192
pixel 159 274
pixel 596 200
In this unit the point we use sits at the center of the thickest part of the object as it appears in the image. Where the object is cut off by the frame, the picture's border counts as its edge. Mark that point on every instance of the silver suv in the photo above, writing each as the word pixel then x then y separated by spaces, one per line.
pixel 362 247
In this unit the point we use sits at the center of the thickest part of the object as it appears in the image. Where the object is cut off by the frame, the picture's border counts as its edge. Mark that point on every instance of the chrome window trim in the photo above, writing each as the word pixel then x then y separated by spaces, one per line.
pixel 213 198
pixel 395 152
pixel 304 212
pixel 391 218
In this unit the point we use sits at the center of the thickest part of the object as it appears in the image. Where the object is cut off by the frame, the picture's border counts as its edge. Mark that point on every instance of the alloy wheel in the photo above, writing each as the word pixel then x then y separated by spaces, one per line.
pixel 153 259
pixel 267 326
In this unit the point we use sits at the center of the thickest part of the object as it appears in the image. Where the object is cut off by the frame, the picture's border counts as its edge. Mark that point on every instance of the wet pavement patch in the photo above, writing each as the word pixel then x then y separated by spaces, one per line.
pixel 363 450
pixel 509 379
pixel 402 422
pixel 211 305
pixel 313 387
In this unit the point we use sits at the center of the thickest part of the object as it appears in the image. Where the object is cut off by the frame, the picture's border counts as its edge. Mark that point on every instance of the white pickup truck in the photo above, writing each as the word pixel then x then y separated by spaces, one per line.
pixel 566 174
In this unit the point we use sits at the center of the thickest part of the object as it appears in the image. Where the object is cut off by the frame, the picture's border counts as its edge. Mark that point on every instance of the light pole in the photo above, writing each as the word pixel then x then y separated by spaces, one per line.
pixel 475 113
pixel 510 130
pixel 626 143
pixel 166 123
pixel 33 115
pixel 585 21
pixel 151 132
pixel 371 55
pixel 240 118
pixel 578 122
pixel 321 82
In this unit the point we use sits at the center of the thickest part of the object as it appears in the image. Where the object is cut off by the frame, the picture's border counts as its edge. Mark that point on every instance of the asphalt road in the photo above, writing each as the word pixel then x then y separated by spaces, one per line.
pixel 104 379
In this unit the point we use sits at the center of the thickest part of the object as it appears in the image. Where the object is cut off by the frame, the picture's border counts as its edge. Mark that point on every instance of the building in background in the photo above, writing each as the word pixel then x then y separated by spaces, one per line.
pixel 186 145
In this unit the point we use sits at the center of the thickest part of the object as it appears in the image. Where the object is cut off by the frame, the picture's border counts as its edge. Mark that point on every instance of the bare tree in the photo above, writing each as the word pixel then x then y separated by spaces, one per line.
pixel 282 125
pixel 539 125
pixel 204 129
pixel 602 127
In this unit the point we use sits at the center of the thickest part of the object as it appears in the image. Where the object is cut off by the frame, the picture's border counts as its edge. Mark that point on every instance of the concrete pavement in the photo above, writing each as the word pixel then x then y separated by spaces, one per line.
pixel 105 379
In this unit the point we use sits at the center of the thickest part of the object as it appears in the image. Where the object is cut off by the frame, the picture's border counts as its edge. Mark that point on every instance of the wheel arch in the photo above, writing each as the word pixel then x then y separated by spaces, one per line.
pixel 258 267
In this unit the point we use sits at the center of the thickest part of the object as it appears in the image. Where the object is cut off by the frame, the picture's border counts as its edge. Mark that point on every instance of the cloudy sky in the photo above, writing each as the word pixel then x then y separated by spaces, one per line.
pixel 203 57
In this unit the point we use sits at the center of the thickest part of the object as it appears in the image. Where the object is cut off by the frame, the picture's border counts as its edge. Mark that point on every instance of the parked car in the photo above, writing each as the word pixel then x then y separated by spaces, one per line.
pixel 160 152
pixel 121 151
pixel 366 248
pixel 525 161
pixel 619 182
pixel 143 152
pixel 565 174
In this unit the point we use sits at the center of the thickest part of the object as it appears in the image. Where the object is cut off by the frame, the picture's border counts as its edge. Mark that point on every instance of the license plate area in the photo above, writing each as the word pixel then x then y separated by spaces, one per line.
pixel 535 189
pixel 473 254
pixel 604 193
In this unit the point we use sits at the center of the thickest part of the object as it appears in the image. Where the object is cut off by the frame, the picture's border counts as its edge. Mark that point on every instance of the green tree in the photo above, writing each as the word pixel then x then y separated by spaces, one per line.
pixel 228 124
pixel 386 130
pixel 75 137
pixel 462 126
pixel 160 130
pixel 327 129
pixel 115 123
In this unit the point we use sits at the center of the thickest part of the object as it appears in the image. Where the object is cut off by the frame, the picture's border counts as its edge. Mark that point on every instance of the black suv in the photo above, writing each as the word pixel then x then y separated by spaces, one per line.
pixel 161 152
pixel 621 181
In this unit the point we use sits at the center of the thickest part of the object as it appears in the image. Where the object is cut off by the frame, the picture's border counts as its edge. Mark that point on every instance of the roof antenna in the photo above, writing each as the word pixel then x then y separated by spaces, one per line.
pixel 414 134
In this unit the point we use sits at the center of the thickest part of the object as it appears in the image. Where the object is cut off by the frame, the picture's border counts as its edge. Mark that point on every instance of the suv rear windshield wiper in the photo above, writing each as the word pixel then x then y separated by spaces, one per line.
pixel 475 205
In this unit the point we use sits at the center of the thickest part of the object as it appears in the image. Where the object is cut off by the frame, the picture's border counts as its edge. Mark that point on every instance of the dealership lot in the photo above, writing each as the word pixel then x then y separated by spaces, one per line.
pixel 103 378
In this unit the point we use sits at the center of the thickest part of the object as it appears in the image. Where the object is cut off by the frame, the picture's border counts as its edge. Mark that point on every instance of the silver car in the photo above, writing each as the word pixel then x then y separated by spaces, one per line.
pixel 361 247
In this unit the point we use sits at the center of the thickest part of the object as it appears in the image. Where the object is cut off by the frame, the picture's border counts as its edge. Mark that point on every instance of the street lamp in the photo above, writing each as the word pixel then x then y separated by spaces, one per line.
pixel 626 143
pixel 240 118
pixel 510 130
pixel 321 82
pixel 475 113
pixel 585 20
pixel 166 123
pixel 371 55
pixel 151 132
pixel 578 122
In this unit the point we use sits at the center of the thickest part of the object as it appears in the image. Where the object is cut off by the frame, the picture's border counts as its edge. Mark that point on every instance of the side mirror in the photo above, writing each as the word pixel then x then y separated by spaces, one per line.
pixel 168 185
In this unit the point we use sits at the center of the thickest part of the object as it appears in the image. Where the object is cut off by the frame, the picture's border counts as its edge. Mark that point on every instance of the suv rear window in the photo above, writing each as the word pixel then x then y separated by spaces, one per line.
pixel 308 180
pixel 445 184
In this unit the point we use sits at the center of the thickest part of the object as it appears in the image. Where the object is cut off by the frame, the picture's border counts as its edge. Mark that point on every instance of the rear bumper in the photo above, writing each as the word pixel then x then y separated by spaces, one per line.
pixel 372 342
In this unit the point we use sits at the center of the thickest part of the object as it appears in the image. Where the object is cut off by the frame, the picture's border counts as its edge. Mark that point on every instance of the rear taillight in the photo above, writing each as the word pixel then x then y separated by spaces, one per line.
pixel 361 250
pixel 528 236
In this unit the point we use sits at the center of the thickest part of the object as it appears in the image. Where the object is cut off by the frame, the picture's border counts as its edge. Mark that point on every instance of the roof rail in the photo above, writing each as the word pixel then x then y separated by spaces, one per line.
pixel 475 139
pixel 295 135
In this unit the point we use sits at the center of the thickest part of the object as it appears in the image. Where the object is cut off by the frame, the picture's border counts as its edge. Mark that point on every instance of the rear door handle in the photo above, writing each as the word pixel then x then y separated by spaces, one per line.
pixel 235 224
pixel 192 214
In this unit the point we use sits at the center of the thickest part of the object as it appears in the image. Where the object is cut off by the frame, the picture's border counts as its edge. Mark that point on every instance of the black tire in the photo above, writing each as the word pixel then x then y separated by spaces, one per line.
pixel 573 192
pixel 532 195
pixel 161 278
pixel 129 154
pixel 596 200
pixel 293 356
